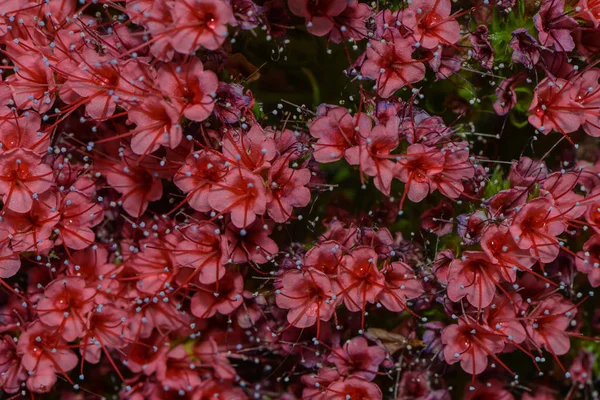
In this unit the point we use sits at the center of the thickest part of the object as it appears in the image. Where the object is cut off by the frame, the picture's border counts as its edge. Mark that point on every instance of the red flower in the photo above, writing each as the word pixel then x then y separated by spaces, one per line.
pixel 417 168
pixel 200 24
pixel 308 297
pixel 23 177
pixel 45 354
pixel 337 131
pixel 357 358
pixel 475 277
pixel 547 323
pixel 554 107
pixel 222 297
pixel 242 194
pixel 287 189
pixel 196 177
pixel 359 278
pixel 434 24
pixel 353 387
pixel 536 226
pixel 65 304
pixel 401 284
pixel 318 14
pixel 204 249
pixel 391 64
pixel 374 154
pixel 22 131
pixel 470 344
pixel 588 260
pixel 189 87
pixel 157 124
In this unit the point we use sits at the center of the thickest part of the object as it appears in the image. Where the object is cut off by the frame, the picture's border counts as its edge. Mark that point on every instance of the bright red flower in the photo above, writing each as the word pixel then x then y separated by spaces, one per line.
pixel 401 285
pixel 588 260
pixel 417 168
pixel 22 131
pixel 157 124
pixel 353 387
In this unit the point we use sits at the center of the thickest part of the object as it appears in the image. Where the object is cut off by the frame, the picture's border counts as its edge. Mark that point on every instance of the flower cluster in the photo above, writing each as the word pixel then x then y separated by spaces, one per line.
pixel 177 222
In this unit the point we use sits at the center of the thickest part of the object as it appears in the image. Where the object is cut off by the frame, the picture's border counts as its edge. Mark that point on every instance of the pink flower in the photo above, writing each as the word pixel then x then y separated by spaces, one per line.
pixel 351 23
pixel 536 226
pixel 254 245
pixel 475 277
pixel 392 66
pixel 33 85
pixel 135 181
pixel 254 150
pixel 287 189
pixel 65 304
pixel 588 260
pixel 204 249
pixel 554 26
pixel 434 24
pixel 12 372
pixel 174 371
pixel 45 353
pixel 196 177
pixel 23 177
pixel 337 131
pixel 77 216
pixel 359 278
pixel 9 261
pixel 554 107
pixel 318 14
pixel 200 24
pixel 548 322
pixel 189 87
pixel 308 297
pixel 157 124
pixel 589 98
pixel 401 285
pixel 242 194
pixel 223 296
pixel 357 358
pixel 590 11
pixel 353 387
pixel 470 344
pixel 22 131
pixel 374 154
pixel 417 168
